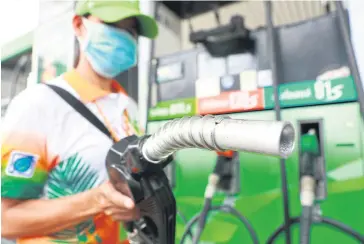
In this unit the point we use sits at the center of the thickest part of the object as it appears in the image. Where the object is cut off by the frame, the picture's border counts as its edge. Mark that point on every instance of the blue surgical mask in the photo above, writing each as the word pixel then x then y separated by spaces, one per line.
pixel 109 50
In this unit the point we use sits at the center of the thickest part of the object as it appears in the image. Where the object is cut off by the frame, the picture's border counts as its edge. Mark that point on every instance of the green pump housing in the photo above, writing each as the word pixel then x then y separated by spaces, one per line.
pixel 327 105
pixel 311 96
pixel 260 198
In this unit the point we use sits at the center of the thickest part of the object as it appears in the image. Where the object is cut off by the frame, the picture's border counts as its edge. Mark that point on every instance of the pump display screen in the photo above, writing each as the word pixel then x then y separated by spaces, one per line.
pixel 217 67
pixel 170 72
pixel 241 62
pixel 209 66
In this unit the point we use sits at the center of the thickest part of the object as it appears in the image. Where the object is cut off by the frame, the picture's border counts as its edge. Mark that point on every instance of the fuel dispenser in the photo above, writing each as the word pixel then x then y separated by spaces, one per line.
pixel 313 187
pixel 281 108
pixel 312 176
pixel 224 178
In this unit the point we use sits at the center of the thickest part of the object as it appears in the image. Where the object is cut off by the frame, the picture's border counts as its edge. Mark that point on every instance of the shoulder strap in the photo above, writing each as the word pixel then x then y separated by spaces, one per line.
pixel 80 108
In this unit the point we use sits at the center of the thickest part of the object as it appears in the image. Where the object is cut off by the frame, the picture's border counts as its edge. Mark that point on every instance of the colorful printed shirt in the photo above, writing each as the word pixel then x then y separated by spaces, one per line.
pixel 51 151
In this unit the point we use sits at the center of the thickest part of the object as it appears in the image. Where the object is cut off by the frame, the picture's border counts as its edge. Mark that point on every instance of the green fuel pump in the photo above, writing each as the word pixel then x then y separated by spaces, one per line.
pixel 311 177
pixel 222 178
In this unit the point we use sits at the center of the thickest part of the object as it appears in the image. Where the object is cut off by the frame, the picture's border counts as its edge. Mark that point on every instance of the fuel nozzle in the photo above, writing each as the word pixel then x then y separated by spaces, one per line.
pixel 309 151
pixel 135 165
pixel 224 169
pixel 308 158
pixel 146 183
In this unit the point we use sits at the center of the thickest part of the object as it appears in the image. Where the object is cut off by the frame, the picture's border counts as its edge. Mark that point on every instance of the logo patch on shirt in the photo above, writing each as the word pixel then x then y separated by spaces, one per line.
pixel 21 164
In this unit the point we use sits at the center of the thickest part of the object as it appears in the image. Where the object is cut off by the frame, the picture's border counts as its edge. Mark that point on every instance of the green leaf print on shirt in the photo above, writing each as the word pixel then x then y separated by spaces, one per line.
pixel 70 177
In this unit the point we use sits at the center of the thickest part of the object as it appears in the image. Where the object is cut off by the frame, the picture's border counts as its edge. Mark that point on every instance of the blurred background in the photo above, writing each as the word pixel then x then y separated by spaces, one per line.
pixel 302 52
pixel 40 43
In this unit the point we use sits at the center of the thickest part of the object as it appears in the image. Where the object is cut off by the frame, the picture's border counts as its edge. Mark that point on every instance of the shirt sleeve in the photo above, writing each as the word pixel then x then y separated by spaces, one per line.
pixel 24 159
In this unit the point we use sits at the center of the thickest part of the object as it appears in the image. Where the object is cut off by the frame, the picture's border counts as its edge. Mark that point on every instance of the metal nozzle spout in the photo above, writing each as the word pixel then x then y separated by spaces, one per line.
pixel 220 133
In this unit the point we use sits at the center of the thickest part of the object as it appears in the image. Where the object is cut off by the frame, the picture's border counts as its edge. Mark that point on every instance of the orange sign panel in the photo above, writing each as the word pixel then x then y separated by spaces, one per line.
pixel 229 102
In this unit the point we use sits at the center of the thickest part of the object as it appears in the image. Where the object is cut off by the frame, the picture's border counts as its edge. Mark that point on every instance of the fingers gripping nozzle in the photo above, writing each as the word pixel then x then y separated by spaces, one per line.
pixel 146 183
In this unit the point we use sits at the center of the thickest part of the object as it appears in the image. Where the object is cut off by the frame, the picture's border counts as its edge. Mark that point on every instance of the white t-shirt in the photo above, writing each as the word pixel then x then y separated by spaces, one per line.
pixel 49 150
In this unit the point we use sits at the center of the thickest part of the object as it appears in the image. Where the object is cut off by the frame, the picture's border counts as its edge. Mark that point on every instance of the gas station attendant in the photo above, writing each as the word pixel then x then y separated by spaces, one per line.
pixel 55 186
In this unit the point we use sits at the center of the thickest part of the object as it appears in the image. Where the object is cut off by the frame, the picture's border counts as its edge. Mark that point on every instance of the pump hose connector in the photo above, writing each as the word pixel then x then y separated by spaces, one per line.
pixel 220 133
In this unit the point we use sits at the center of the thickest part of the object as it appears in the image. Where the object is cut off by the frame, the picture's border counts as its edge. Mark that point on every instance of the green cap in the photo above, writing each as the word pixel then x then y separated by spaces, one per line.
pixel 113 11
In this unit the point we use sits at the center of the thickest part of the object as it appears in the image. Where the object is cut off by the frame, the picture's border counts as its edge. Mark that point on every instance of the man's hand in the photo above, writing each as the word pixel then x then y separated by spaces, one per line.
pixel 115 204
pixel 39 217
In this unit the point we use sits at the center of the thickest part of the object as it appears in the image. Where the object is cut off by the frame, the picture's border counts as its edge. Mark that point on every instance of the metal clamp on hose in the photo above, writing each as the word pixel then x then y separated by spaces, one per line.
pixel 135 165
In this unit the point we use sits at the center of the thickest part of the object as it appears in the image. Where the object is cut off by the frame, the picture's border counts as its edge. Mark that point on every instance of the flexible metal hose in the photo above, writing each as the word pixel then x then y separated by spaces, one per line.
pixel 344 228
pixel 202 220
pixel 305 227
pixel 225 209
pixel 281 228
pixel 323 220
pixel 220 133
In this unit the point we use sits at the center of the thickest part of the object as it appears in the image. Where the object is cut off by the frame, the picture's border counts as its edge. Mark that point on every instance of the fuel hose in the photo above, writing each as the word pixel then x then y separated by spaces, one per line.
pixel 323 220
pixel 305 227
pixel 202 220
pixel 225 209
